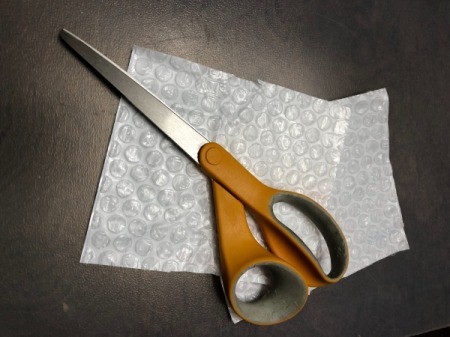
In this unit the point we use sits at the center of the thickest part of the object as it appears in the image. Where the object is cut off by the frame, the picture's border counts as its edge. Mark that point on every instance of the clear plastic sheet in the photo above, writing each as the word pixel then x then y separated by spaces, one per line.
pixel 153 208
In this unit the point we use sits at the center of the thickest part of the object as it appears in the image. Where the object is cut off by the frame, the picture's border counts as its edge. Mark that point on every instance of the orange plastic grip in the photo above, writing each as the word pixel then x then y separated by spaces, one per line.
pixel 239 252
pixel 259 199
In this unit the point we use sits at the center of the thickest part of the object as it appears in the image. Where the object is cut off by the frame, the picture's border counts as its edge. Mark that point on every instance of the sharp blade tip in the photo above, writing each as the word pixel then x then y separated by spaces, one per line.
pixel 64 34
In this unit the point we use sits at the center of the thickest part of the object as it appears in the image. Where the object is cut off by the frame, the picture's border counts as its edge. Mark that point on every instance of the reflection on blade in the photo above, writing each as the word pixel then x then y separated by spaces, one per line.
pixel 156 111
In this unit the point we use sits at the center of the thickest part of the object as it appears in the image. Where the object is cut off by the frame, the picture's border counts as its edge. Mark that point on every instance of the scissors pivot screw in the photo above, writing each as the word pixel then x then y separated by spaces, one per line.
pixel 213 156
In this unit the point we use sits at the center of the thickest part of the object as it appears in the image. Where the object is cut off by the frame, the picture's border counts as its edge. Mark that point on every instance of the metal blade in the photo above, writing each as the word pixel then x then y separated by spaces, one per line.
pixel 156 111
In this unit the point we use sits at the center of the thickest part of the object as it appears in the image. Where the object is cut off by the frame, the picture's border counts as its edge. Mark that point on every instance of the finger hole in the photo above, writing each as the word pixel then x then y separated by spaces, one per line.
pixel 305 229
pixel 253 284
pixel 281 298
pixel 333 253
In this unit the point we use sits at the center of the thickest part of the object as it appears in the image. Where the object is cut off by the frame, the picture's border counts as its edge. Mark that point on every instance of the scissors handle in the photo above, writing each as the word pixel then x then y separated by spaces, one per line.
pixel 259 199
pixel 239 252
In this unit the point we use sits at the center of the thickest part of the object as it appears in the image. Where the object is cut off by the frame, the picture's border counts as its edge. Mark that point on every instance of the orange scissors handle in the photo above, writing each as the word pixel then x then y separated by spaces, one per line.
pixel 239 252
pixel 235 188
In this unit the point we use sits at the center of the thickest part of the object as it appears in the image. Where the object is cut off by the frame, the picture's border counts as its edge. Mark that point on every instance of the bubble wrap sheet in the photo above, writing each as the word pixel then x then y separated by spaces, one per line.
pixel 153 208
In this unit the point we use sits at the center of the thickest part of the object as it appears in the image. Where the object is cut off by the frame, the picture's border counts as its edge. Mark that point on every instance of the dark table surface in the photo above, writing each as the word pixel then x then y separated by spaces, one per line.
pixel 56 118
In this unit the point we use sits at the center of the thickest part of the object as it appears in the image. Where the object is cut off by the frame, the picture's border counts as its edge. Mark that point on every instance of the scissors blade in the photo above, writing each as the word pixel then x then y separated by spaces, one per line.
pixel 167 120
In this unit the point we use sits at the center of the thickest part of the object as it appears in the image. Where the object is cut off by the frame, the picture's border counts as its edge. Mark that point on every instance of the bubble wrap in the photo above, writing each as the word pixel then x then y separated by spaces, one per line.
pixel 153 208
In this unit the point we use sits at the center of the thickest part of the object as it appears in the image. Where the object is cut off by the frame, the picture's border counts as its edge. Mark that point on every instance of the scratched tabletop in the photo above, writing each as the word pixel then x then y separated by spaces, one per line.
pixel 56 119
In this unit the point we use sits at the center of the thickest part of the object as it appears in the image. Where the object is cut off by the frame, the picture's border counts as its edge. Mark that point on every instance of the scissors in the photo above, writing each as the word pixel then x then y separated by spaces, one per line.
pixel 291 265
